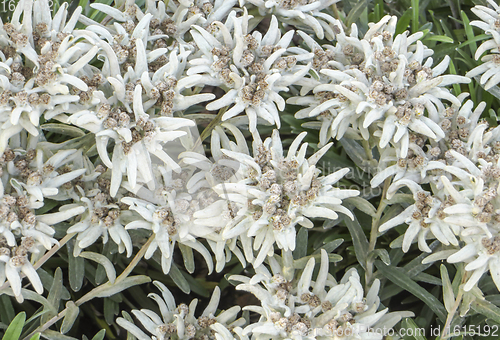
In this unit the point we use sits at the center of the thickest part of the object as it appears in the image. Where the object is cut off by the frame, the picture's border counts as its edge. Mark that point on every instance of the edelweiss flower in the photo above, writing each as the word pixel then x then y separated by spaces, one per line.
pixel 391 89
pixel 180 321
pixel 305 14
pixel 274 193
pixel 27 92
pixel 254 68
pixel 481 253
pixel 23 233
pixel 490 24
pixel 426 215
pixel 102 217
pixel 300 308
pixel 171 219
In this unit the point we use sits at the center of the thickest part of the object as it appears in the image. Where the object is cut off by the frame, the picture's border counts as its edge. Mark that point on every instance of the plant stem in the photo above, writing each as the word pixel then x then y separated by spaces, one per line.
pixel 90 295
pixel 374 231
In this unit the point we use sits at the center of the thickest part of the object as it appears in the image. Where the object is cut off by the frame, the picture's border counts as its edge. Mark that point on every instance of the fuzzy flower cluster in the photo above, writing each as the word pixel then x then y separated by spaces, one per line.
pixel 99 129
pixel 298 307
pixel 294 307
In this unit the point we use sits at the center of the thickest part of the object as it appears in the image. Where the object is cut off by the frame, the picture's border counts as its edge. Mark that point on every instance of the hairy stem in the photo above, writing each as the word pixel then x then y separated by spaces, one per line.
pixel 374 231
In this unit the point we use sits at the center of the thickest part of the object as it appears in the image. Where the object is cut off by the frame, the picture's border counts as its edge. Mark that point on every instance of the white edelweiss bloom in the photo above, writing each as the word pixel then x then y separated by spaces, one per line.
pixel 28 92
pixel 23 233
pixel 414 166
pixel 490 24
pixel 171 221
pixel 307 15
pixel 101 217
pixel 52 174
pixel 179 321
pixel 480 253
pixel 14 261
pixel 139 139
pixel 426 216
pixel 275 192
pixel 303 308
pixel 253 67
pixel 388 93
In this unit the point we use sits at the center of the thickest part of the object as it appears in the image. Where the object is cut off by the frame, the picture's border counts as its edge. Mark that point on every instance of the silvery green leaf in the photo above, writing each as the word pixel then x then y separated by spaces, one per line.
pixel 381 254
pixel 358 155
pixel 47 281
pixel 400 278
pixel 127 317
pixel 111 309
pixel 53 335
pixel 411 328
pixel 70 317
pixel 76 268
pixel 179 279
pixel 54 296
pixel 427 278
pixel 448 296
pixel 102 260
pixel 330 246
pixel 108 289
pixel 188 257
pixel 301 263
pixel 362 205
pixel 400 198
pixel 359 240
pixel 486 308
pixel 301 243
pixel 63 129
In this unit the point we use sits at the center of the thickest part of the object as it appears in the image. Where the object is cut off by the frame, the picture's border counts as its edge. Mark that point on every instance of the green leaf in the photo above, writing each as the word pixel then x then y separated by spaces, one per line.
pixel 76 268
pixel 469 32
pixel 103 261
pixel 36 336
pixel 404 21
pixel 6 310
pixel 448 296
pixel 15 328
pixel 359 240
pixel 100 335
pixel 440 38
pixel 70 317
pixel 415 14
pixel 399 277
